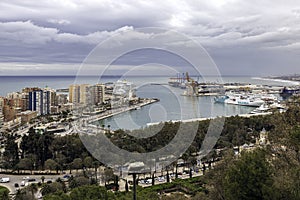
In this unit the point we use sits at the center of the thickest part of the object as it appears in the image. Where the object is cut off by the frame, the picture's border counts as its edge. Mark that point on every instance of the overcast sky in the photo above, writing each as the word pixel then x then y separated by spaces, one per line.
pixel 255 38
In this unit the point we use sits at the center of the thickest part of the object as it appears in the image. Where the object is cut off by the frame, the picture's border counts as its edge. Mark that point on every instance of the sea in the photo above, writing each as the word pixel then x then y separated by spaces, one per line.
pixel 172 105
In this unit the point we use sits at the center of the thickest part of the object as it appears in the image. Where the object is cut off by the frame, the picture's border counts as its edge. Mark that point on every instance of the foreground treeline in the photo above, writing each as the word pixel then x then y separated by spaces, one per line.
pixel 45 152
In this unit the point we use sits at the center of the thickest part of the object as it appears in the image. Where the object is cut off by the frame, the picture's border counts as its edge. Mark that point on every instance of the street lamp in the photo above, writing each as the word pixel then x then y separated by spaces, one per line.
pixel 134 169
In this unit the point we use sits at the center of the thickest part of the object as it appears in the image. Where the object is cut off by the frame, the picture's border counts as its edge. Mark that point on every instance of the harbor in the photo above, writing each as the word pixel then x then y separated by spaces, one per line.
pixel 121 102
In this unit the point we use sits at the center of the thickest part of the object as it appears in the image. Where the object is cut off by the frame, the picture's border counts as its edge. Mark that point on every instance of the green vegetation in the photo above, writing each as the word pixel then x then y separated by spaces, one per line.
pixel 46 152
pixel 4 193
pixel 249 177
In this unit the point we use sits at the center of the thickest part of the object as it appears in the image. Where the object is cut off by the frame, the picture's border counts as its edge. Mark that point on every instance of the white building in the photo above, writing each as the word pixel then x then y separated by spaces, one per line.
pixel 124 89
pixel 123 92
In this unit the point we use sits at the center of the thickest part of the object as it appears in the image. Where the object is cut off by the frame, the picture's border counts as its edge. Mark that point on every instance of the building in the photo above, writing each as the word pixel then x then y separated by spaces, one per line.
pixel 74 94
pixel 26 116
pixel 13 123
pixel 25 96
pixel 124 91
pixel 61 99
pixel 96 94
pixel 9 112
pixel 263 138
pixel 40 101
pixel 84 93
pixel 1 114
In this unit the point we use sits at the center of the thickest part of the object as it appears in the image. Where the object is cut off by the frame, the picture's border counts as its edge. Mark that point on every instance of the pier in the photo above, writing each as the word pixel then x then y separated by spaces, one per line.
pixel 118 111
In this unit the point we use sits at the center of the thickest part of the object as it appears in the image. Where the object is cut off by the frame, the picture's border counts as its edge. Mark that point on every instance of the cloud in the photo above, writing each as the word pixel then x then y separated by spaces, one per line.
pixel 66 31
pixel 60 21
pixel 28 33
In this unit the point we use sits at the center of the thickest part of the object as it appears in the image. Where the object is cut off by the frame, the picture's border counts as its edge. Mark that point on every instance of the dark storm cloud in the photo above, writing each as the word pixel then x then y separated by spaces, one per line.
pixel 243 37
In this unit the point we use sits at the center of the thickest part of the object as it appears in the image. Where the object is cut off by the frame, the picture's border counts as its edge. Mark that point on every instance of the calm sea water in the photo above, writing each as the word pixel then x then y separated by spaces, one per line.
pixel 172 105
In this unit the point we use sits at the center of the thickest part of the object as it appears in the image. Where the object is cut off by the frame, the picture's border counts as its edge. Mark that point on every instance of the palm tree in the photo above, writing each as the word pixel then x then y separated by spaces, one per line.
pixel 43 179
pixel 126 186
pixel 33 188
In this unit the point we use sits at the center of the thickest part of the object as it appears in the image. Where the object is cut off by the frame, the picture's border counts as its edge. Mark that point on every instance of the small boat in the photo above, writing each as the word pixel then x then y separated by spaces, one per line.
pixel 267 107
pixel 261 109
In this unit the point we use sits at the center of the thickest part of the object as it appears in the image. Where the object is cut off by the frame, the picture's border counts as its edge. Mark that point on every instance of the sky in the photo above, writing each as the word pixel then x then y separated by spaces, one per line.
pixel 54 37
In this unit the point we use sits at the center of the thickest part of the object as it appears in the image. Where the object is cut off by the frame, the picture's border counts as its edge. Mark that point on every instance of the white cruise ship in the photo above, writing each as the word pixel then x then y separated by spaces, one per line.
pixel 240 99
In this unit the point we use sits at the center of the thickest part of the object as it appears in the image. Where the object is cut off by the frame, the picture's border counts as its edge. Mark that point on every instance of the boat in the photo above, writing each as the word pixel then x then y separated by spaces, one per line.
pixel 210 88
pixel 267 107
pixel 287 92
pixel 239 99
pixel 261 109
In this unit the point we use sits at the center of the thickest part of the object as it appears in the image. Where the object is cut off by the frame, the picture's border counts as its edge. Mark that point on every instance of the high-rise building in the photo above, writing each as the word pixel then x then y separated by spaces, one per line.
pixel 25 96
pixel 84 94
pixel 40 101
pixel 74 94
pixel 96 94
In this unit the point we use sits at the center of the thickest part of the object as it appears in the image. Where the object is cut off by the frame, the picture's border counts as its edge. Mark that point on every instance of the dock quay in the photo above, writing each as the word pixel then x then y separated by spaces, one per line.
pixel 117 111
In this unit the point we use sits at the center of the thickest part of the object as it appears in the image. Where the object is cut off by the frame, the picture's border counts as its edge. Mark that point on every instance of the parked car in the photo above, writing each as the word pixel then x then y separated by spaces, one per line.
pixel 4 180
pixel 22 184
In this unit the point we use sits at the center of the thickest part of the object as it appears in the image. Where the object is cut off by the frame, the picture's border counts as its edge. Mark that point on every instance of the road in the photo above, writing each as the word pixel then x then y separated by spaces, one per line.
pixel 19 178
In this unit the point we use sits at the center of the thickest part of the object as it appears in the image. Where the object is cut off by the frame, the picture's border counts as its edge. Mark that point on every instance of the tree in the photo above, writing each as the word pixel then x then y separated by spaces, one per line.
pixel 96 164
pixel 10 154
pixel 24 194
pixel 78 181
pixel 25 164
pixel 88 162
pixel 77 163
pixel 4 193
pixel 50 165
pixel 57 196
pixel 168 177
pixel 52 188
pixel 126 186
pixel 43 179
pixel 90 193
pixel 250 177
pixel 108 175
pixel 33 188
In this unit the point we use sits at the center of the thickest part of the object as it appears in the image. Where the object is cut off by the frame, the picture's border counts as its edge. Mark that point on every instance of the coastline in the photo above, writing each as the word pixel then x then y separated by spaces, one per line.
pixel 277 80
pixel 209 118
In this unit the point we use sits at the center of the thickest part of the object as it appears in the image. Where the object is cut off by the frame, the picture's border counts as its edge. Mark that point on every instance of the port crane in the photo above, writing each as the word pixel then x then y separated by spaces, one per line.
pixel 192 86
